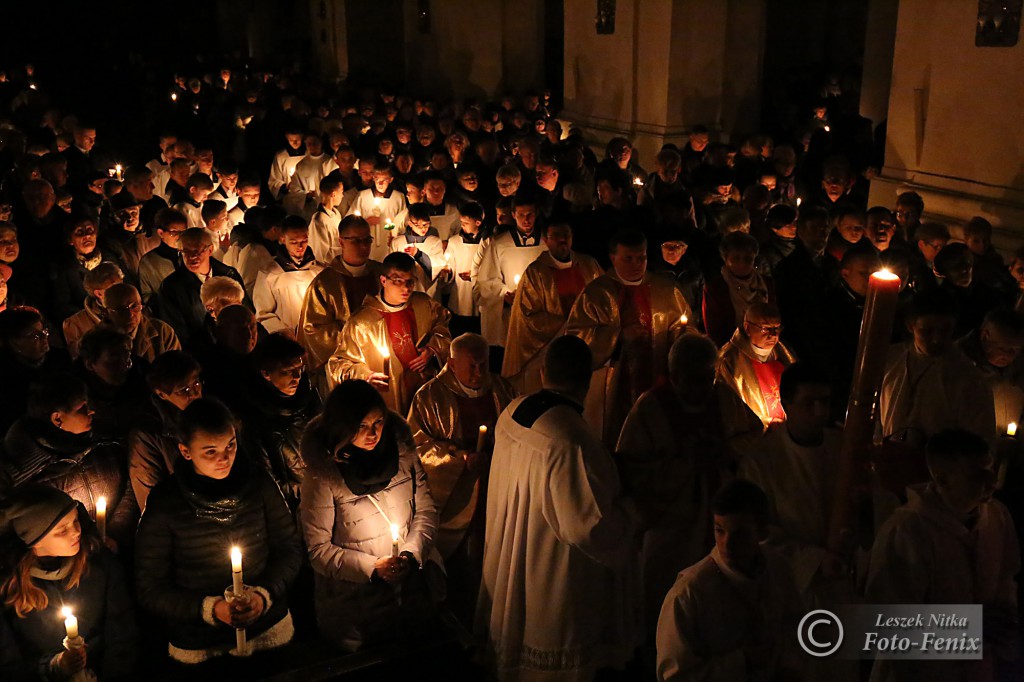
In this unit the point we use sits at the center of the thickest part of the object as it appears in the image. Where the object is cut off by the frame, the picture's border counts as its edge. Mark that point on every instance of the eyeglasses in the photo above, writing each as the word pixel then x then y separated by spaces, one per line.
pixel 84 231
pixel 402 281
pixel 8 242
pixel 130 308
pixel 362 241
pixel 195 388
pixel 36 335
pixel 766 329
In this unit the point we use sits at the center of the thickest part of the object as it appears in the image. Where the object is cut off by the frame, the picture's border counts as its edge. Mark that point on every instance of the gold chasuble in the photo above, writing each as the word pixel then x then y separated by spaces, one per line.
pixel 629 328
pixel 332 297
pixel 383 338
pixel 445 420
pixel 754 375
pixel 542 304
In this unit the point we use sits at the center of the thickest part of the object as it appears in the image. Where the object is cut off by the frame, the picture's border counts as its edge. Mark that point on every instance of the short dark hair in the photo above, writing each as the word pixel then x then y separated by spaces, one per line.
pixel 207 415
pixel 271 217
pixel 857 253
pixel 330 182
pixel 978 227
pixel 419 211
pixel 294 223
pixel 351 221
pixel 170 368
pixel 741 497
pixel 1006 320
pixel 212 208
pixel 738 241
pixel 166 217
pixel 945 447
pixel 472 210
pixel 779 216
pixel 801 374
pixel 199 181
pixel 400 261
pixel 912 199
pixel 54 393
pixel 568 363
pixel 16 319
pixel 936 301
pixel 99 340
pixel 275 351
pixel 629 237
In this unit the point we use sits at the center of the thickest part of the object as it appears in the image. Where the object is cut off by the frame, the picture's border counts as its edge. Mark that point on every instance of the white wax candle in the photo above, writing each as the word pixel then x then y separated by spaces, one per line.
pixel 70 623
pixel 101 516
pixel 1011 429
pixel 394 540
pixel 236 570
pixel 481 437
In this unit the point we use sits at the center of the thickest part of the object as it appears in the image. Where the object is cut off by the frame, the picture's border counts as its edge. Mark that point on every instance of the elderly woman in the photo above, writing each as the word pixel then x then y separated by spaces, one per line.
pixel 213 502
pixel 368 519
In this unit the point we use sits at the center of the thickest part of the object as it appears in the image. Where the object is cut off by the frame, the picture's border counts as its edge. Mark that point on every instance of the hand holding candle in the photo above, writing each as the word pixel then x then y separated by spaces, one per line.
pixel 101 517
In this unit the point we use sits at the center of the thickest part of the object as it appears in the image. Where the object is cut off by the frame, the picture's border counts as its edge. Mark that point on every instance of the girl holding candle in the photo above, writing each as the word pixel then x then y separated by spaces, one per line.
pixel 52 558
pixel 363 476
pixel 214 501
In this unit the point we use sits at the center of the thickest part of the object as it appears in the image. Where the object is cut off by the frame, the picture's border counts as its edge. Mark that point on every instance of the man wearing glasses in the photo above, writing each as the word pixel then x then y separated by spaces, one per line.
pixel 752 361
pixel 123 312
pixel 397 341
pixel 157 264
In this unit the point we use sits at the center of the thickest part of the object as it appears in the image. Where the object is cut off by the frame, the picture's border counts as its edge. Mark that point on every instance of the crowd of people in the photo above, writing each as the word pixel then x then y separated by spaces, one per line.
pixel 433 363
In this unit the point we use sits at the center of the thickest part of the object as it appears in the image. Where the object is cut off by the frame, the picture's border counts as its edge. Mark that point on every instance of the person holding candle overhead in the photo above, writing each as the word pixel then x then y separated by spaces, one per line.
pixel 216 500
pixel 363 480
pixel 543 299
pixel 450 419
pixel 393 341
pixel 629 318
pixel 52 557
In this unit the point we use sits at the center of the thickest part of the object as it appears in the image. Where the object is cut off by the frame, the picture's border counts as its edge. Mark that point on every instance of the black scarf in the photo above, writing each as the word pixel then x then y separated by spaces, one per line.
pixel 369 471
pixel 284 259
pixel 219 500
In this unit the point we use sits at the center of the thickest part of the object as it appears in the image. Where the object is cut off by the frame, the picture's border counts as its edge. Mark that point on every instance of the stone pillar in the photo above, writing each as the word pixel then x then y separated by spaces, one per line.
pixel 953 131
pixel 879 44
pixel 670 65
pixel 329 38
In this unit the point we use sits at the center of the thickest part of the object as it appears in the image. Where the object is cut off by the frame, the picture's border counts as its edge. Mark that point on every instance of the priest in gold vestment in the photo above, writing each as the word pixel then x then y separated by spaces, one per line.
pixel 752 361
pixel 629 317
pixel 446 419
pixel 549 287
pixel 397 341
pixel 337 293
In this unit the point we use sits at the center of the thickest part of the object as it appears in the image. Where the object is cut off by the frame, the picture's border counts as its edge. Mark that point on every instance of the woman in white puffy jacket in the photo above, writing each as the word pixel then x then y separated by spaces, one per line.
pixel 369 521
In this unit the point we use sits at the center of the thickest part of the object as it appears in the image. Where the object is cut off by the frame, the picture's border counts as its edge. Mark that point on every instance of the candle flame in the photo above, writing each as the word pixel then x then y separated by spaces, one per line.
pixel 827 129
pixel 101 505
pixel 515 280
pixel 357 212
pixel 483 428
pixel 798 202
pixel 118 168
pixel 174 97
pixel 683 319
pixel 1011 429
pixel 886 274
pixel 447 256
pixel 384 351
pixel 394 532
pixel 65 612
pixel 236 555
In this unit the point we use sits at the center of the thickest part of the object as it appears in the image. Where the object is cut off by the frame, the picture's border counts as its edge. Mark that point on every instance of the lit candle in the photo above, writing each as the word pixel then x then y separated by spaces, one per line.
pixel 385 354
pixel 481 437
pixel 447 256
pixel 827 129
pixel 683 320
pixel 33 86
pixel 394 540
pixel 515 281
pixel 798 201
pixel 174 97
pixel 1011 429
pixel 638 181
pixel 70 623
pixel 118 172
pixel 101 516
pixel 357 212
pixel 236 571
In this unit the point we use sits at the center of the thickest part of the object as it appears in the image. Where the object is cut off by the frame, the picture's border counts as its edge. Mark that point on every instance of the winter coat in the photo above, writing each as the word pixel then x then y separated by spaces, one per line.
pixel 105 621
pixel 346 533
pixel 180 305
pixel 152 447
pixel 274 424
pixel 182 560
pixel 17 377
pixel 79 464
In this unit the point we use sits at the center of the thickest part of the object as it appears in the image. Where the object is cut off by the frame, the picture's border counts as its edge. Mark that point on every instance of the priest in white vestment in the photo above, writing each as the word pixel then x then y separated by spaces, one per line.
pixel 560 593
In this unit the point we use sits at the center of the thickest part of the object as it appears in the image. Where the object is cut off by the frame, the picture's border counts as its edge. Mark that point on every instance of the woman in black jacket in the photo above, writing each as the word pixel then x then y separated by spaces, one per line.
pixel 50 557
pixel 25 355
pixel 213 502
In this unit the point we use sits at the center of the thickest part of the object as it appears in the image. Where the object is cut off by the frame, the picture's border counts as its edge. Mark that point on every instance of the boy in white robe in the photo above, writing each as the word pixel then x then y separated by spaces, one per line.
pixel 304 183
pixel 284 162
pixel 951 544
pixel 422 243
pixel 323 227
pixel 732 616
pixel 280 291
pixel 383 207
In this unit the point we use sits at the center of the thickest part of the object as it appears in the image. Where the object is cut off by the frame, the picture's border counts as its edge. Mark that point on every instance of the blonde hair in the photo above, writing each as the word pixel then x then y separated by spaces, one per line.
pixel 219 292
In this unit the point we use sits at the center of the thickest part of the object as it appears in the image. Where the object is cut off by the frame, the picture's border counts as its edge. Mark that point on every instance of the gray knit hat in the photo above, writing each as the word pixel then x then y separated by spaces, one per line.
pixel 31 511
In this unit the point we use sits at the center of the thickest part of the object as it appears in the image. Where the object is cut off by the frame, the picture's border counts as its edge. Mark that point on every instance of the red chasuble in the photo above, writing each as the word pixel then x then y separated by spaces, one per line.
pixel 401 328
pixel 768 376
pixel 635 315
pixel 568 283
pixel 472 413
pixel 357 289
